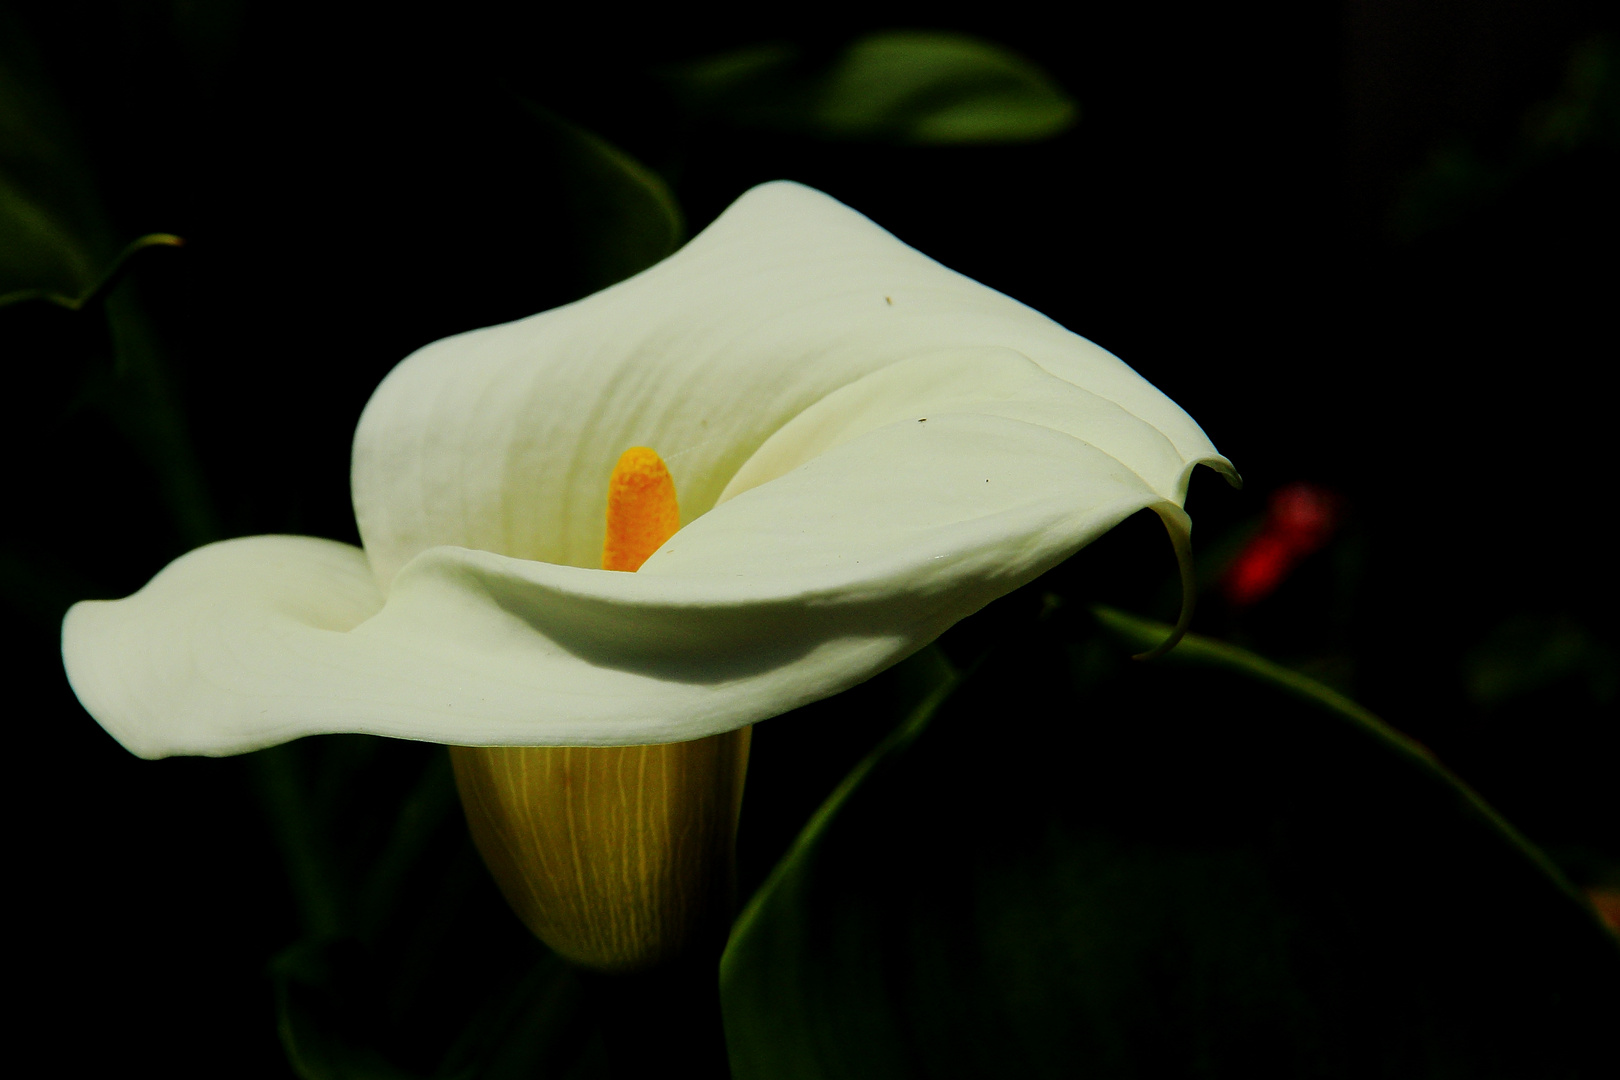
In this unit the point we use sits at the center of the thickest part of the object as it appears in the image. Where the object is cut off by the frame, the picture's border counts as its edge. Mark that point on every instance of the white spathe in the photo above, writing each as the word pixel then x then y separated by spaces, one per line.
pixel 867 447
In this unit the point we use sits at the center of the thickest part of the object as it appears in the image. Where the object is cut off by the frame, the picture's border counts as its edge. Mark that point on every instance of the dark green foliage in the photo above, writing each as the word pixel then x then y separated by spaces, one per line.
pixel 914 88
pixel 411 966
pixel 1202 866
pixel 53 233
pixel 618 216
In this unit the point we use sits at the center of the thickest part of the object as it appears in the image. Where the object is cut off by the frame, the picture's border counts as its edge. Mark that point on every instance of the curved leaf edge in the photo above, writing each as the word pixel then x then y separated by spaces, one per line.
pixel 798 853
pixel 109 280
pixel 1136 633
pixel 1139 636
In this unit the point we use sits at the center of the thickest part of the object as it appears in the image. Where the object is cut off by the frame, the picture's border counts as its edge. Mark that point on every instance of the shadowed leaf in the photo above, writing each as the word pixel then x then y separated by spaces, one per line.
pixel 53 237
pixel 896 86
pixel 1201 866
pixel 622 216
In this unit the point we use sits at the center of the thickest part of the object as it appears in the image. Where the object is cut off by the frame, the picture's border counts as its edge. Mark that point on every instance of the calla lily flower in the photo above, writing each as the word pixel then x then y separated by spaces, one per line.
pixel 867 447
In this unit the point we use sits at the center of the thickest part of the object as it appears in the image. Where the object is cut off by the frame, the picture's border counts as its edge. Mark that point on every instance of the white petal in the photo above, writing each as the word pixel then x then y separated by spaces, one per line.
pixel 867 446
pixel 208 657
pixel 788 593
pixel 502 439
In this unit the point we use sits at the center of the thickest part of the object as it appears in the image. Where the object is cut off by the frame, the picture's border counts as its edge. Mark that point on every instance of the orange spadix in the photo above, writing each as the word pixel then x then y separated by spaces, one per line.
pixel 641 510
pixel 618 857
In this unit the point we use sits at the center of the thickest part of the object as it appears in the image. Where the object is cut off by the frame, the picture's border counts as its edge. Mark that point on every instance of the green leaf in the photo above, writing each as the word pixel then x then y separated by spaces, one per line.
pixel 411 965
pixel 896 86
pixel 1201 866
pixel 53 236
pixel 339 1014
pixel 98 290
pixel 623 218
pixel 139 397
pixel 56 247
pixel 55 243
pixel 935 88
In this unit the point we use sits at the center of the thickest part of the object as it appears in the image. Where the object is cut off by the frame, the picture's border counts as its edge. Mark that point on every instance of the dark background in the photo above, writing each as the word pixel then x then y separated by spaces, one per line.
pixel 1367 245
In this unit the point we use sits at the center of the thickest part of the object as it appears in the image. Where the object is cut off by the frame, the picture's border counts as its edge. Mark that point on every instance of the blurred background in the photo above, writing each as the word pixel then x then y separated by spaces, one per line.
pixel 1369 245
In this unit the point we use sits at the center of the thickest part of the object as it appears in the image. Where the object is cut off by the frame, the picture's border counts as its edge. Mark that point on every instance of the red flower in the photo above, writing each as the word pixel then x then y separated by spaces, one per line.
pixel 1300 519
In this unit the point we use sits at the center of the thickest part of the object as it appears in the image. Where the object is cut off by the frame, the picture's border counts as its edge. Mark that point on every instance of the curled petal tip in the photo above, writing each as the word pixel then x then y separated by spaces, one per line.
pixel 1179 526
